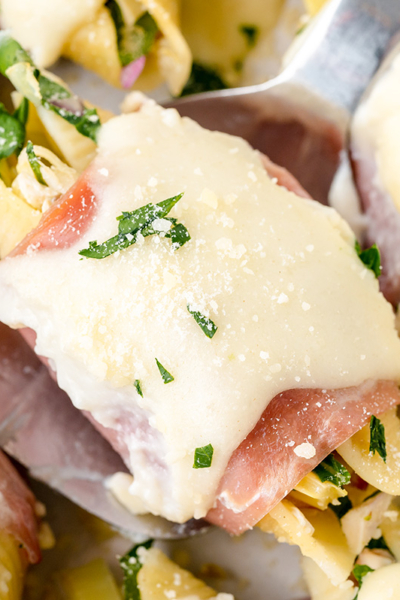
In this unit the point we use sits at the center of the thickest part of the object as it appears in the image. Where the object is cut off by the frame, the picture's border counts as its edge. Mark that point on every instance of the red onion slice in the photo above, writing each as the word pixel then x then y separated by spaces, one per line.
pixel 131 72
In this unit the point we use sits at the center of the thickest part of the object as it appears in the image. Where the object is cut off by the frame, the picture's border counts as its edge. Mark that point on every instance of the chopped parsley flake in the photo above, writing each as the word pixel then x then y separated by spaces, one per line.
pixel 167 377
pixel 53 96
pixel 133 41
pixel 206 325
pixel 370 257
pixel 140 221
pixel 131 565
pixel 203 457
pixel 203 79
pixel 379 543
pixel 359 572
pixel 332 470
pixel 11 53
pixel 22 112
pixel 34 163
pixel 138 387
pixel 377 440
pixel 251 33
pixel 12 133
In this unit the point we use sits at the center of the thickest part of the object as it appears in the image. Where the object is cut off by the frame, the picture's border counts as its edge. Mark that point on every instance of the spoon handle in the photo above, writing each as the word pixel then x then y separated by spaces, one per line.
pixel 343 48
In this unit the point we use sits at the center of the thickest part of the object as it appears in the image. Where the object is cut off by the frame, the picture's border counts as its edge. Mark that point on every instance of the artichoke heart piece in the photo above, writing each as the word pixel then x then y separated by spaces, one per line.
pixel 390 528
pixel 372 468
pixel 320 587
pixel 360 524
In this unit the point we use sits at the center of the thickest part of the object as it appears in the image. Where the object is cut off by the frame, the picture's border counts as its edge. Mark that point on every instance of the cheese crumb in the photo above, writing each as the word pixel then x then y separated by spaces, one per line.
pixel 282 298
pixel 305 450
pixel 162 225
pixel 251 175
pixel 230 199
pixel 305 306
pixel 209 197
pixel 152 182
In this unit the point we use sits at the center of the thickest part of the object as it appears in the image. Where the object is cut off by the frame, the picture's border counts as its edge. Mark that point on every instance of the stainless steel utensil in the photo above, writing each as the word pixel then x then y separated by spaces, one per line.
pixel 300 119
pixel 41 428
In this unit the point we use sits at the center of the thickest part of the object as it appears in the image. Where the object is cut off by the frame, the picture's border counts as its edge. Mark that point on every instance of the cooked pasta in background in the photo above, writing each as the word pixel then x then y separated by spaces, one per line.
pixel 143 43
pixel 126 42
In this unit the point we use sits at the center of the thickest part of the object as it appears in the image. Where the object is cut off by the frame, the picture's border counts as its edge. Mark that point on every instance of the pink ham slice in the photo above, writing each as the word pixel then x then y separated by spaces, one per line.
pixel 265 467
pixel 17 510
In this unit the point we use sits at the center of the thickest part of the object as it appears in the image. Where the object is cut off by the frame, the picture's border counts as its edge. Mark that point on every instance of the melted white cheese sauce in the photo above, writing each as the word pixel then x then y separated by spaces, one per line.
pixel 278 274
pixel 376 126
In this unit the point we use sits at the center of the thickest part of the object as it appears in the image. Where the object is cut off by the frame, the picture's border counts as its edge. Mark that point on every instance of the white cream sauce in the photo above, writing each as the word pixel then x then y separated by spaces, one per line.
pixel 376 126
pixel 278 274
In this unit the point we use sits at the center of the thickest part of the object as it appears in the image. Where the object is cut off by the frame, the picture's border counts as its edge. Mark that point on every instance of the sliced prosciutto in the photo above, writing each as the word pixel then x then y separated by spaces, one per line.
pixel 298 429
pixel 178 293
pixel 375 153
pixel 17 510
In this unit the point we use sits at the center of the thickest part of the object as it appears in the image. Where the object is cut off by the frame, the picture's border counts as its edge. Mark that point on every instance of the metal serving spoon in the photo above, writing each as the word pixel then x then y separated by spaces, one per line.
pixel 41 428
pixel 300 119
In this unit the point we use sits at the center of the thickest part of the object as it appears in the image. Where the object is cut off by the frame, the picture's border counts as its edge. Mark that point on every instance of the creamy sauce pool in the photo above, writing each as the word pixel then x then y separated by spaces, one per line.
pixel 277 274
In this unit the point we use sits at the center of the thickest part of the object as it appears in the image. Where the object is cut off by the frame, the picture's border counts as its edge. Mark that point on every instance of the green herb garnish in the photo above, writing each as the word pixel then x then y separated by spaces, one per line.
pixel 138 387
pixel 22 112
pixel 50 94
pixel 135 220
pixel 140 221
pixel 134 41
pixel 206 325
pixel 341 509
pixel 203 79
pixel 131 565
pixel 379 543
pixel 332 470
pixel 178 234
pixel 60 100
pixel 359 572
pixel 34 163
pixel 167 377
pixel 251 33
pixel 377 440
pixel 370 257
pixel 12 133
pixel 11 53
pixel 203 457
